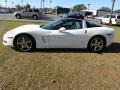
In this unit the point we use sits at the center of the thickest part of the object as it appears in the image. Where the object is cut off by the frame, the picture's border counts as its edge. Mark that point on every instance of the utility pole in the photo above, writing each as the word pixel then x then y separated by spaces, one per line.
pixel 12 4
pixel 22 2
pixel 6 4
pixel 50 3
pixel 41 4
pixel 110 21
pixel 89 6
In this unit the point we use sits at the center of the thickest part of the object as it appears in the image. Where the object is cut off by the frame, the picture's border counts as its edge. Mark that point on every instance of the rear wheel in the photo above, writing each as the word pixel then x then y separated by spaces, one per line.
pixel 24 43
pixel 18 16
pixel 34 17
pixel 96 44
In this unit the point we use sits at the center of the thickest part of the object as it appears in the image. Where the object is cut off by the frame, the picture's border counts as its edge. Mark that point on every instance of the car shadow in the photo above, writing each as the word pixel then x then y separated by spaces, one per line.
pixel 113 48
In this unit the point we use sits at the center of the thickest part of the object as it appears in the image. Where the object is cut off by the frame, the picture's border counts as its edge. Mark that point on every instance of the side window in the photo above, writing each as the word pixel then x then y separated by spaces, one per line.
pixel 106 16
pixel 118 17
pixel 25 10
pixel 91 25
pixel 78 24
pixel 113 16
pixel 36 10
pixel 70 25
pixel 30 10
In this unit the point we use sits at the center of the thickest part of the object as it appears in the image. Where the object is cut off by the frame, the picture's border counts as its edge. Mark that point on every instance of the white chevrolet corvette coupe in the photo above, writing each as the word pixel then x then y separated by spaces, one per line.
pixel 63 33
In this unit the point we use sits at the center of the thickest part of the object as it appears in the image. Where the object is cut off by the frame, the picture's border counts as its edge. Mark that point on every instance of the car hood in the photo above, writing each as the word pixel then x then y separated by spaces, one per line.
pixel 24 29
pixel 28 27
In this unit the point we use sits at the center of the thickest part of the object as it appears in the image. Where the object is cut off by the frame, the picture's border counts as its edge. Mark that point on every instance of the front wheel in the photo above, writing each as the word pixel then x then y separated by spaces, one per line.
pixel 35 17
pixel 96 44
pixel 24 43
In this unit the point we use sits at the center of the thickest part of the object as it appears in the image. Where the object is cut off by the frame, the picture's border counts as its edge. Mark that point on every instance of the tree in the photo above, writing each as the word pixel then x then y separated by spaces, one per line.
pixel 54 10
pixel 19 7
pixel 27 6
pixel 105 9
pixel 79 7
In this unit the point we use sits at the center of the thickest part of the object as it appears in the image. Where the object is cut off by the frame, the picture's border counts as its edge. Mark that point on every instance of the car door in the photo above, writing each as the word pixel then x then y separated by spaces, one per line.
pixel 27 13
pixel 72 37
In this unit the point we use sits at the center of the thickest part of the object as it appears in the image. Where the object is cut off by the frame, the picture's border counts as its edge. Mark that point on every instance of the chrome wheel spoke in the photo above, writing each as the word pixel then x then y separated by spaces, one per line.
pixel 95 48
pixel 97 44
pixel 27 42
pixel 19 43
pixel 27 46
pixel 24 43
pixel 23 39
pixel 93 44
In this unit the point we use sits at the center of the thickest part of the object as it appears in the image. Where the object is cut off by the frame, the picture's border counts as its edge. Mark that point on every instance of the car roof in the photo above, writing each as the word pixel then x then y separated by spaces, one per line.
pixel 114 14
pixel 71 19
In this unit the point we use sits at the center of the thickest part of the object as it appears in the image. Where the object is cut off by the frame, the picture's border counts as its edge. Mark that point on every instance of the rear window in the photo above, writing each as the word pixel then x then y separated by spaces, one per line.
pixel 91 25
pixel 118 17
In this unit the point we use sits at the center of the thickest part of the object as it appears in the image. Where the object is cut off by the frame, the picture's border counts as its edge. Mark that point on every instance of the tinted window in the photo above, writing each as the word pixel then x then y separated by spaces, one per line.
pixel 91 25
pixel 24 10
pixel 70 25
pixel 88 13
pixel 30 10
pixel 54 25
pixel 113 16
pixel 36 10
pixel 72 15
pixel 118 17
pixel 106 16
pixel 67 24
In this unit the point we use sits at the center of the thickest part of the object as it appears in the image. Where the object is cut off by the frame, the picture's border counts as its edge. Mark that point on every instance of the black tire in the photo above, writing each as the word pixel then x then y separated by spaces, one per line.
pixel 35 17
pixel 96 44
pixel 18 16
pixel 27 45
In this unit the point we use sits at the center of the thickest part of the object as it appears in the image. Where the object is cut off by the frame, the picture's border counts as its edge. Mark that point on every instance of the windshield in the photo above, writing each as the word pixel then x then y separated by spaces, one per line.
pixel 53 25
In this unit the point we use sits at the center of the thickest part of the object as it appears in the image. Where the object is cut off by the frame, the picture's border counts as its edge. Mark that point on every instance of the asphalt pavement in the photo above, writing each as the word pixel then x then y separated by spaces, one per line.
pixel 45 18
pixel 48 17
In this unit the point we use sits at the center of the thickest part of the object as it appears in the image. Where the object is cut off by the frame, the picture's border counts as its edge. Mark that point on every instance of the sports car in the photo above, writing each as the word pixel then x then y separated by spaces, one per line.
pixel 62 33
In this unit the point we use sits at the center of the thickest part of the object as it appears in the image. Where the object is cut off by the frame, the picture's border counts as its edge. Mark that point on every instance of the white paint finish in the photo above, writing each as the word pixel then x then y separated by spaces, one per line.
pixel 78 38
pixel 67 38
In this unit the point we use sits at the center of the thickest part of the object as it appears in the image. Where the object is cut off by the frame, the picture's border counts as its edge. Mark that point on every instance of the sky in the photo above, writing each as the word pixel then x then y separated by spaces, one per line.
pixel 95 4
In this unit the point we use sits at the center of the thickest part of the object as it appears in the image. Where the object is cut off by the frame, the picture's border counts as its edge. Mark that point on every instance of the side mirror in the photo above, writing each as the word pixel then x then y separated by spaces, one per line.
pixel 41 25
pixel 61 29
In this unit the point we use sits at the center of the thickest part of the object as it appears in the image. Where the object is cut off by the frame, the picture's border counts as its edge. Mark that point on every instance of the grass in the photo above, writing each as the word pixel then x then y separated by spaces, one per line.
pixel 58 69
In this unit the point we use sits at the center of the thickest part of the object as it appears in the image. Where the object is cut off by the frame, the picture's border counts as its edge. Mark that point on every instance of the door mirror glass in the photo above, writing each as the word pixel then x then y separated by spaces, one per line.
pixel 62 29
pixel 42 25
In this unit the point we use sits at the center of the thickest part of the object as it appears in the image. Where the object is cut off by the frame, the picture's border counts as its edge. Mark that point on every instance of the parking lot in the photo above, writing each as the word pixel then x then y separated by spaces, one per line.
pixel 48 17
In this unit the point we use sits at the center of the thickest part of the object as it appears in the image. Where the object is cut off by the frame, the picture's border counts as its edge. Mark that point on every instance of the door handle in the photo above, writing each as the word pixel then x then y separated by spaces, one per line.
pixel 86 31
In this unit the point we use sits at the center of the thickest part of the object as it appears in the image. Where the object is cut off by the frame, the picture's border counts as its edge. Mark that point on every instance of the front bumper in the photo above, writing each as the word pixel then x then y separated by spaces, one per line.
pixel 8 40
